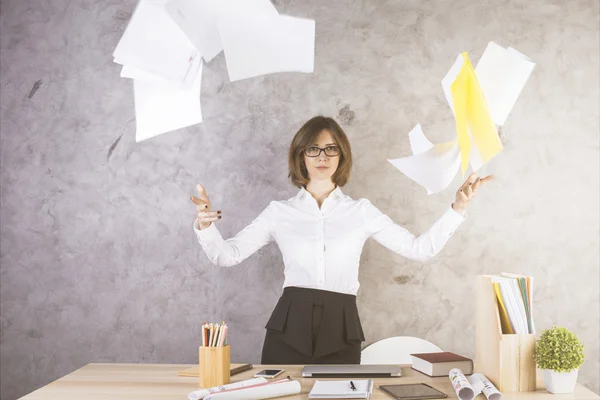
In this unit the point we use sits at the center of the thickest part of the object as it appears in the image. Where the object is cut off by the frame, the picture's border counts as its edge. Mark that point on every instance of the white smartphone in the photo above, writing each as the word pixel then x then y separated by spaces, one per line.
pixel 268 373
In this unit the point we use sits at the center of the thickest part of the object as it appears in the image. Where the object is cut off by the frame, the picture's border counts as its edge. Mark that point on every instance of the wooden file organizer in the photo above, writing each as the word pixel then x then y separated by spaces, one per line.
pixel 506 359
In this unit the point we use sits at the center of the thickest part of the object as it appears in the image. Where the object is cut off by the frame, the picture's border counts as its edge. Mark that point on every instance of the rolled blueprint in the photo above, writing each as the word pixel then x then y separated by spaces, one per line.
pixel 202 393
pixel 284 387
pixel 489 390
pixel 461 385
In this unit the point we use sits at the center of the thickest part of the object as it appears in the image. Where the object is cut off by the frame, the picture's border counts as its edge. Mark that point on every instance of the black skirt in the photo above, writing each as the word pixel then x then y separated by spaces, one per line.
pixel 311 326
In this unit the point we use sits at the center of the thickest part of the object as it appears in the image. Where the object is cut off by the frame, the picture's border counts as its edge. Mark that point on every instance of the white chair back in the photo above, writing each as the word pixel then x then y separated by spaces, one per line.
pixel 396 350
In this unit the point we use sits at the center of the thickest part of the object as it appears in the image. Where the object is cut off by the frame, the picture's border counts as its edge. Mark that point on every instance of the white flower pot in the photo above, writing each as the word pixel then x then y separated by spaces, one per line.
pixel 560 382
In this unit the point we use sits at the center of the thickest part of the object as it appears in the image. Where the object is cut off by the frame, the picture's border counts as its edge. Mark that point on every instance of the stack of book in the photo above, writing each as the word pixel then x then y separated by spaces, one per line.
pixel 514 298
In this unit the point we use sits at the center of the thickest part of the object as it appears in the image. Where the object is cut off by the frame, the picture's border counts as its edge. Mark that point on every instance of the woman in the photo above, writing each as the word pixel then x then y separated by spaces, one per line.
pixel 321 233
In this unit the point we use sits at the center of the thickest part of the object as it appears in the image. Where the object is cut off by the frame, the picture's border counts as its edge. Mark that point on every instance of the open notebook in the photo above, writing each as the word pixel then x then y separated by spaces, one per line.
pixel 342 389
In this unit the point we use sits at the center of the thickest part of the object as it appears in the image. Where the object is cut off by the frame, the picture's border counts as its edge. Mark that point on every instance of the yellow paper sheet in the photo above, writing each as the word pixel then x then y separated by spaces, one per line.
pixel 472 116
pixel 481 125
pixel 459 99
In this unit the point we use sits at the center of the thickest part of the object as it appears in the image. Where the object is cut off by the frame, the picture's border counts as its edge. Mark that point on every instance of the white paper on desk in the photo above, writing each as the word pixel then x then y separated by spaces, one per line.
pixel 153 42
pixel 502 74
pixel 161 108
pixel 342 389
pixel 267 44
pixel 265 391
pixel 435 168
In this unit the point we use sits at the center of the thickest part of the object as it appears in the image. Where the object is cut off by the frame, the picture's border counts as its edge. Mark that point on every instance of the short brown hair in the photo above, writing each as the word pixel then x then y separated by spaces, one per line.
pixel 306 137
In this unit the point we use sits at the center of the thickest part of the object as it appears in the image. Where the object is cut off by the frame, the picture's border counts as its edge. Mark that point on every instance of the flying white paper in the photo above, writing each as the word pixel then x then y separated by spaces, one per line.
pixel 418 142
pixel 502 74
pixel 249 8
pixel 141 75
pixel 433 168
pixel 267 44
pixel 161 108
pixel 154 43
pixel 198 19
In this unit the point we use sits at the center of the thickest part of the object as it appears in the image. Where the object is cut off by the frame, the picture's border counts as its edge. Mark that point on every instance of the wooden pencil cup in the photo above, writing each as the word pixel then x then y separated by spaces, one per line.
pixel 214 366
pixel 506 359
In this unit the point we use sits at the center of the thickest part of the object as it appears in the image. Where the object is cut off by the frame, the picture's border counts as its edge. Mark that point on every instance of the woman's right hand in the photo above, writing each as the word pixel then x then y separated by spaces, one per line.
pixel 204 217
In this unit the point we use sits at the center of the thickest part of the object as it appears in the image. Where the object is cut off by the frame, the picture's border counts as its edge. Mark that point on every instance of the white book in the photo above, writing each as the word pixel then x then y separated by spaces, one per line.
pixel 342 389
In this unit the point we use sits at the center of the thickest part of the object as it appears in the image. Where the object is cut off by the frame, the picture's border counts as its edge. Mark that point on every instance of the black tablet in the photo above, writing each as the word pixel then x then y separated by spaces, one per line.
pixel 413 391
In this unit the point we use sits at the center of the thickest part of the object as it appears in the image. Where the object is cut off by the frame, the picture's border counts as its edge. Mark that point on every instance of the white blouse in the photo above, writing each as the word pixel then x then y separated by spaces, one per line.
pixel 321 248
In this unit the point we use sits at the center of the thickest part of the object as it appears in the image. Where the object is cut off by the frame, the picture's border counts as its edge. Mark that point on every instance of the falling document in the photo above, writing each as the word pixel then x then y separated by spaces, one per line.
pixel 267 44
pixel 502 74
pixel 198 19
pixel 431 166
pixel 480 99
pixel 142 75
pixel 154 43
pixel 161 108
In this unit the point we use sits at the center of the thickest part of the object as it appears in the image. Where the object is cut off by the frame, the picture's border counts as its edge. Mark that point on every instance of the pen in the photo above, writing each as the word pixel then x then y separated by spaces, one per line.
pixel 352 385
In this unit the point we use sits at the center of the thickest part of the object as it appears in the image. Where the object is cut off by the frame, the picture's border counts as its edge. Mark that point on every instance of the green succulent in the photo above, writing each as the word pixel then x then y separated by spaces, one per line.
pixel 558 349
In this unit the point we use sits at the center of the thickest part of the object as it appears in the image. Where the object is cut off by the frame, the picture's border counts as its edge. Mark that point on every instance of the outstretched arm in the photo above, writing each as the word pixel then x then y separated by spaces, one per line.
pixel 225 253
pixel 428 244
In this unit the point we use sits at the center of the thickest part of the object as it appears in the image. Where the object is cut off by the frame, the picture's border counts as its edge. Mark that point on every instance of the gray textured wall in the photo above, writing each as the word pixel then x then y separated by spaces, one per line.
pixel 99 260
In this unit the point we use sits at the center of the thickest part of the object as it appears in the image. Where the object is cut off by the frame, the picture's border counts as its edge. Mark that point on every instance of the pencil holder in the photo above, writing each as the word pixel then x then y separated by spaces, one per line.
pixel 213 366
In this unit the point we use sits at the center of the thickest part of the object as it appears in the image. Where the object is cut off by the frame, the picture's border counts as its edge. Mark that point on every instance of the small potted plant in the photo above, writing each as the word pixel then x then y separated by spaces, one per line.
pixel 559 354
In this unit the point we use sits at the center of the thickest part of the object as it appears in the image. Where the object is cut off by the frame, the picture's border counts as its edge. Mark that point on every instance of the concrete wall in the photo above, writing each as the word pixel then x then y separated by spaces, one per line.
pixel 99 260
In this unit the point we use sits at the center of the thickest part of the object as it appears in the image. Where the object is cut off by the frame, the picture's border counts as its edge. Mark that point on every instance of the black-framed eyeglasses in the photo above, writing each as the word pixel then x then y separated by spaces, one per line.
pixel 314 151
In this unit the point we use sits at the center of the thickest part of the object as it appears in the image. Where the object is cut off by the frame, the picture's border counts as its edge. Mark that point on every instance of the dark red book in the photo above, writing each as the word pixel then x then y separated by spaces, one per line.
pixel 440 364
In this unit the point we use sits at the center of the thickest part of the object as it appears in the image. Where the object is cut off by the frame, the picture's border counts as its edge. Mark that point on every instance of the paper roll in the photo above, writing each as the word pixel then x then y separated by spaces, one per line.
pixel 461 385
pixel 275 389
pixel 200 394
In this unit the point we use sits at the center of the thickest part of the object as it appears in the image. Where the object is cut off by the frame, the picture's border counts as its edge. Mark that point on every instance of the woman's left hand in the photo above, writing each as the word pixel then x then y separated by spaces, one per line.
pixel 468 189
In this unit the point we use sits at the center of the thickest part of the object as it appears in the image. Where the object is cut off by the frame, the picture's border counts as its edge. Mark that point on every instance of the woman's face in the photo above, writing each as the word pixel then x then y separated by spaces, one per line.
pixel 323 166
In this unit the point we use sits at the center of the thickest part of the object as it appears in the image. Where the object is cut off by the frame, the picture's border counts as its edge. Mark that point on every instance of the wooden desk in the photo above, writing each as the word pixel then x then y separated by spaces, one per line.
pixel 160 382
